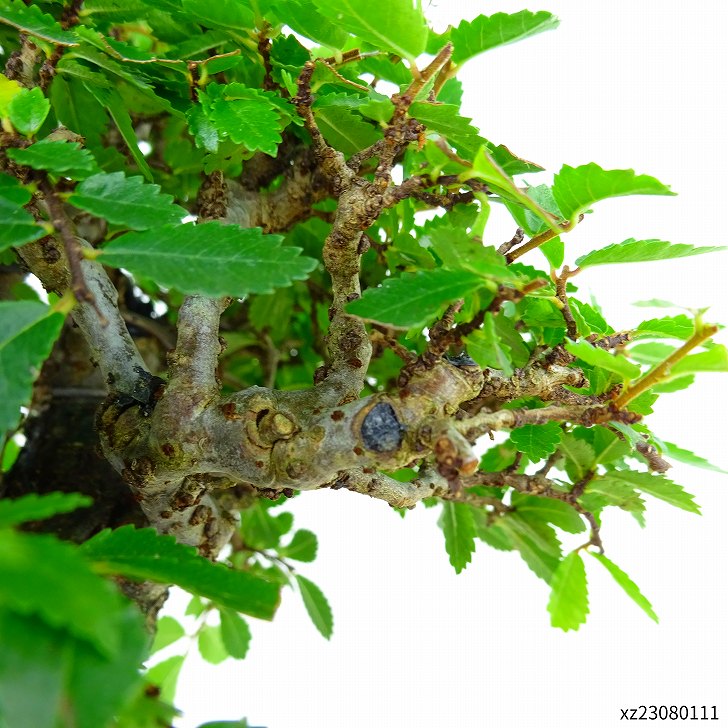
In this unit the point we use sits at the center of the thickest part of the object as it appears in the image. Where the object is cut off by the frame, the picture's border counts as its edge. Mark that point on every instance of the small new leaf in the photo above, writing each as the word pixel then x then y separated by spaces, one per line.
pixel 28 111
pixel 577 188
pixel 630 588
pixel 473 37
pixel 303 547
pixel 456 522
pixel 569 603
pixel 414 299
pixel 316 605
pixel 210 259
pixel 126 201
pixel 641 251
pixel 537 441
pixel 235 634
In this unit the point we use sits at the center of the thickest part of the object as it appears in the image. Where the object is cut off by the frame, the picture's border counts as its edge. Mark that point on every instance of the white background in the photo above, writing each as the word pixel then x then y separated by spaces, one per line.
pixel 627 85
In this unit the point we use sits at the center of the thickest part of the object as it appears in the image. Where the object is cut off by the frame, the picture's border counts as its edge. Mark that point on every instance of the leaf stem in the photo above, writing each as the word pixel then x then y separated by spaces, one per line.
pixel 662 370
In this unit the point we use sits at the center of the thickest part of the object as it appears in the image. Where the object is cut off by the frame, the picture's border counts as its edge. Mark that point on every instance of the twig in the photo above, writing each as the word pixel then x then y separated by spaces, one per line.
pixel 517 239
pixel 560 281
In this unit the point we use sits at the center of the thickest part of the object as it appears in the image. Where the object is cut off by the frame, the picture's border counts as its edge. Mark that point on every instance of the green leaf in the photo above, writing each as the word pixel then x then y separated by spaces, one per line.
pixel 658 486
pixel 601 358
pixel 304 18
pixel 17 227
pixel 235 634
pixel 445 120
pixel 165 675
pixel 456 522
pixel 630 588
pixel 569 603
pixel 224 14
pixel 579 453
pixel 32 20
pixel 641 251
pixel 690 458
pixel 535 541
pixel 246 116
pixel 537 441
pixel 12 191
pixel 561 514
pixel 316 605
pixel 473 37
pixel 397 26
pixel 28 330
pixel 577 188
pixel 210 644
pixel 28 111
pixel 126 201
pixel 303 546
pixel 487 347
pixel 35 507
pixel 714 359
pixel 34 566
pixel 668 327
pixel 260 529
pixel 169 630
pixel 119 113
pixel 145 554
pixel 343 129
pixel 210 259
pixel 414 299
pixel 60 158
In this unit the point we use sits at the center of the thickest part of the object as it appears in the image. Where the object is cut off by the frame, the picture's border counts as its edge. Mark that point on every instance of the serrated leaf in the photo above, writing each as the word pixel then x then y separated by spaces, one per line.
pixel 120 114
pixel 600 493
pixel 34 566
pixel 35 507
pixel 28 330
pixel 210 259
pixel 235 634
pixel 473 37
pixel 17 227
pixel 537 441
pixel 126 201
pixel 658 486
pixel 671 450
pixel 247 117
pixel 535 541
pixel 397 26
pixel 414 299
pixel 580 453
pixel 569 603
pixel 169 630
pixel 487 347
pixel 456 522
pixel 653 353
pixel 668 327
pixel 601 358
pixel 316 605
pixel 60 158
pixel 577 188
pixel 641 251
pixel 630 588
pixel 202 129
pixel 31 19
pixel 28 111
pixel 345 130
pixel 561 514
pixel 260 529
pixel 303 546
pixel 445 120
pixel 145 554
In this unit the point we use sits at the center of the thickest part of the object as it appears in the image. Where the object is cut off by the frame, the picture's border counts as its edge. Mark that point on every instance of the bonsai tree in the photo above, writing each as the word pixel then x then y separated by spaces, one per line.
pixel 262 231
